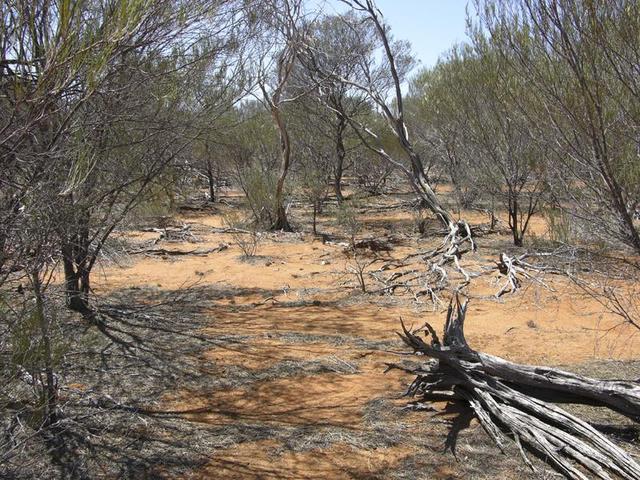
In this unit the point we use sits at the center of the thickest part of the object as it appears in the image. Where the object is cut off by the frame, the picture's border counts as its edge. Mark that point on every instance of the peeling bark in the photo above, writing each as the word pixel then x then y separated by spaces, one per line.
pixel 518 401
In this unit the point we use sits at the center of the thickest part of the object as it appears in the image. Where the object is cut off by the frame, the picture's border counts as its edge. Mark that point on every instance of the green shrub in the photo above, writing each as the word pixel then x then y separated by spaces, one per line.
pixel 560 225
pixel 347 218
pixel 243 232
pixel 260 187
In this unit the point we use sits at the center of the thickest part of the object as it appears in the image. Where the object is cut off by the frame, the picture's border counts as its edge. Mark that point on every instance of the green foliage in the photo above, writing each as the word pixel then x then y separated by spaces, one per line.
pixel 577 63
pixel 472 102
pixel 156 202
pixel 244 232
pixel 313 183
pixel 561 225
pixel 34 345
pixel 259 187
pixel 347 219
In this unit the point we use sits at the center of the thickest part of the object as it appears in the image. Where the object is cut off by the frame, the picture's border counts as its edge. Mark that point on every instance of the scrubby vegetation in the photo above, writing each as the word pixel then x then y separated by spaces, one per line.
pixel 213 212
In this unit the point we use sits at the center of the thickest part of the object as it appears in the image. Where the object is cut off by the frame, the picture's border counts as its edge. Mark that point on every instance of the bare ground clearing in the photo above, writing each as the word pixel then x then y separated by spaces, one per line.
pixel 277 369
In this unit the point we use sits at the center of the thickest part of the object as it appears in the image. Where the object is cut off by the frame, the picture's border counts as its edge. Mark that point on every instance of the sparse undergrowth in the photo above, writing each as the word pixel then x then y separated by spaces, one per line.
pixel 221 377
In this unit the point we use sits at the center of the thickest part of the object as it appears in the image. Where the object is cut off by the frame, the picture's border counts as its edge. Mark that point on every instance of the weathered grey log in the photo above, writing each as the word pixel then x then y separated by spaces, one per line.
pixel 166 252
pixel 518 401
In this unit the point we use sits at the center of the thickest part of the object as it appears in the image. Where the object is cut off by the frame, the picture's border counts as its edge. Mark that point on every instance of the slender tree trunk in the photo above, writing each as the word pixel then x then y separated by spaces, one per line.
pixel 315 215
pixel 340 155
pixel 417 176
pixel 210 176
pixel 77 285
pixel 427 196
pixel 493 212
pixel 212 182
pixel 281 222
pixel 76 261
pixel 337 181
pixel 513 220
pixel 49 388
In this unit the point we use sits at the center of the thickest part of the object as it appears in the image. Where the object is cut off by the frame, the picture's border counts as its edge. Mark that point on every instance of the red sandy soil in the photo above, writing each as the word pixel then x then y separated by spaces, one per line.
pixel 536 325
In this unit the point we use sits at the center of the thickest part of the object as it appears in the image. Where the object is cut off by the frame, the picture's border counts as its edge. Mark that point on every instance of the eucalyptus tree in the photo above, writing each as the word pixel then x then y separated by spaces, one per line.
pixel 580 62
pixel 312 175
pixel 93 113
pixel 283 25
pixel 432 116
pixel 332 103
pixel 213 99
pixel 486 129
pixel 382 65
pixel 324 135
pixel 54 57
pixel 254 156
pixel 90 116
pixel 372 172
pixel 510 160
pixel 130 135
pixel 211 155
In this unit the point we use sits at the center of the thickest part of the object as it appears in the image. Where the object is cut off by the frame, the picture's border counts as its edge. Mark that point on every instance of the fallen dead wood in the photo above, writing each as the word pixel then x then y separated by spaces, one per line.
pixel 198 207
pixel 382 207
pixel 479 230
pixel 420 281
pixel 230 230
pixel 515 268
pixel 518 401
pixel 430 271
pixel 173 234
pixel 375 245
pixel 166 252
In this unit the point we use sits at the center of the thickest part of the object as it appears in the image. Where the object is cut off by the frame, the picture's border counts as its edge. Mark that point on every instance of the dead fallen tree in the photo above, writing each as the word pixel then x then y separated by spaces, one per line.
pixel 173 234
pixel 514 269
pixel 429 272
pixel 426 273
pixel 518 401
pixel 164 252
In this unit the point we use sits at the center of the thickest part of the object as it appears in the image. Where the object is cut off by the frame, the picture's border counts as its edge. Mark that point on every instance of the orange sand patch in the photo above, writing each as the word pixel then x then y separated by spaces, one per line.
pixel 302 286
pixel 260 352
pixel 321 400
pixel 261 460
